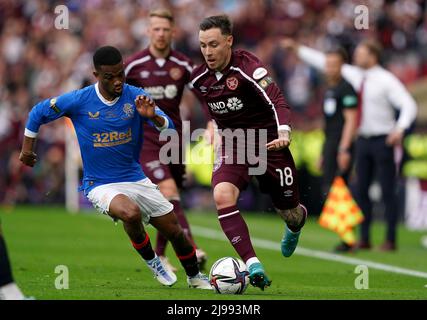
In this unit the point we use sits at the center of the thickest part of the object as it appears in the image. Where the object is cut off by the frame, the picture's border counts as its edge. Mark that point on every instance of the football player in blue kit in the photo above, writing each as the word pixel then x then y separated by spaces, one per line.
pixel 108 117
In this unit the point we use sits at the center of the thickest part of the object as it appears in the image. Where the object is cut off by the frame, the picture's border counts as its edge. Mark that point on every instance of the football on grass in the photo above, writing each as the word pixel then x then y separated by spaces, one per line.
pixel 229 275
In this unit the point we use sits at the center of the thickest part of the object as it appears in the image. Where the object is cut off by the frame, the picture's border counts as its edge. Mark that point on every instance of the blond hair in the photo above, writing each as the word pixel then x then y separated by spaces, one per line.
pixel 162 13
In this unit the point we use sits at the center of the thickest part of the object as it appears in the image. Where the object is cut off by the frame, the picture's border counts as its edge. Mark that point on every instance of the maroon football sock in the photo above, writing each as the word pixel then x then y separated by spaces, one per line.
pixel 237 232
pixel 182 219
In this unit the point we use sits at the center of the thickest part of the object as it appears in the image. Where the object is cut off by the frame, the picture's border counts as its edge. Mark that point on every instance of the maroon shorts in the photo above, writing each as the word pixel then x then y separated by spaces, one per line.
pixel 158 172
pixel 279 180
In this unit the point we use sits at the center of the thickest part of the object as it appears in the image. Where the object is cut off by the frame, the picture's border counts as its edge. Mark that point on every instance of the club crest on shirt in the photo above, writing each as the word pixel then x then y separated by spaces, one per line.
pixel 144 74
pixel 232 83
pixel 128 110
pixel 175 73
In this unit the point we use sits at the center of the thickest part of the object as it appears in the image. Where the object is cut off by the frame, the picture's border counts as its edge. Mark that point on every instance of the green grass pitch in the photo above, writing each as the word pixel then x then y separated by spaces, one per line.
pixel 103 265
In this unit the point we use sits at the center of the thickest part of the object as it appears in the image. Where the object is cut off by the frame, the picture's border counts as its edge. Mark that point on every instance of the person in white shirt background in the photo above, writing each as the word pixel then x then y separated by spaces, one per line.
pixel 379 132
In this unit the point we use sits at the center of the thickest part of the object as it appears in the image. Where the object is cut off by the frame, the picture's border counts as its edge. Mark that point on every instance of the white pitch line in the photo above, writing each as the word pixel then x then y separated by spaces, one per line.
pixel 270 245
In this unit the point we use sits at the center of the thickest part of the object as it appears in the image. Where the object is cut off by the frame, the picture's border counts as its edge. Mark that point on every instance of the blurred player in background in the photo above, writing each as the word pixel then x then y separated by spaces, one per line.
pixel 163 73
pixel 108 118
pixel 340 113
pixel 8 289
pixel 379 132
pixel 240 94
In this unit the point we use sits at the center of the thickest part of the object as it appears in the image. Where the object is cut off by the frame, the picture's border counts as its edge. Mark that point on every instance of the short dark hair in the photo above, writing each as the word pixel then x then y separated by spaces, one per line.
pixel 339 51
pixel 221 22
pixel 374 47
pixel 106 56
pixel 162 13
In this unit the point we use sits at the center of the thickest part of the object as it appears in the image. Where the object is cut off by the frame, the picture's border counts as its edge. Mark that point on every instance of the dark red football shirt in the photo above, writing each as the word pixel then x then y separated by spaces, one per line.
pixel 243 95
pixel 164 80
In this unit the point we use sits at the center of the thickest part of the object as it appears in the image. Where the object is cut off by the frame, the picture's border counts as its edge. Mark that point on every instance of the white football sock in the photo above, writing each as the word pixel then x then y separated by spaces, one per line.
pixel 251 261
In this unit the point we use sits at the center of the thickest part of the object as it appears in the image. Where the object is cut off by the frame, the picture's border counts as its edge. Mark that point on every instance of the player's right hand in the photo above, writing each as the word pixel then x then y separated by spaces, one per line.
pixel 145 106
pixel 283 141
pixel 29 158
pixel 209 134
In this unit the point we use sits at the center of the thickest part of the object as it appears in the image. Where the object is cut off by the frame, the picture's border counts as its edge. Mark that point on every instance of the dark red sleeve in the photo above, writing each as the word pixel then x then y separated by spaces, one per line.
pixel 268 90
pixel 280 105
pixel 202 101
pixel 198 94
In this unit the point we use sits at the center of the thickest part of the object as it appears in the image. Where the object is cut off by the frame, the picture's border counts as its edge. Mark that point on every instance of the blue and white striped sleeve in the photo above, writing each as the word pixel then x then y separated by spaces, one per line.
pixel 168 121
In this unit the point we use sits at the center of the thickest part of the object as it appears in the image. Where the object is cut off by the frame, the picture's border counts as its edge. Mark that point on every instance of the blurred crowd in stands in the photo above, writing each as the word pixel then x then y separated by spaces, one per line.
pixel 38 61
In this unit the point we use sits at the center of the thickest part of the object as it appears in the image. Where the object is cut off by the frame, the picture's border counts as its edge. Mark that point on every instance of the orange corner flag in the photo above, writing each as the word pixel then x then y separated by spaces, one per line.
pixel 340 212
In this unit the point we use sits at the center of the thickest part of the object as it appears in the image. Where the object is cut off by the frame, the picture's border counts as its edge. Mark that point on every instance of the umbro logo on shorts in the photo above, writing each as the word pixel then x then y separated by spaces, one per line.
pixel 236 239
pixel 288 193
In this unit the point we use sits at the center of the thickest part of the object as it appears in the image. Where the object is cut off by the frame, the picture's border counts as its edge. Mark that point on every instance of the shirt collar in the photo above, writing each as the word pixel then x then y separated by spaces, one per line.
pixel 154 58
pixel 103 100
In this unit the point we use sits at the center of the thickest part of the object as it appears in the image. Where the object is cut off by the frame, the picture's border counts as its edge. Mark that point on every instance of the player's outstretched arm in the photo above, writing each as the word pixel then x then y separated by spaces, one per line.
pixel 44 112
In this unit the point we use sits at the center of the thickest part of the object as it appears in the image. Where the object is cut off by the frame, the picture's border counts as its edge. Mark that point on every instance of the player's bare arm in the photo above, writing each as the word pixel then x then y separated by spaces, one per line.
pixel 283 141
pixel 27 156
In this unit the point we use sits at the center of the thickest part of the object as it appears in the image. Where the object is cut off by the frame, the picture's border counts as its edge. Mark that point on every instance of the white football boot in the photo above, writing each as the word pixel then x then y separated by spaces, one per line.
pixel 167 264
pixel 165 276
pixel 199 281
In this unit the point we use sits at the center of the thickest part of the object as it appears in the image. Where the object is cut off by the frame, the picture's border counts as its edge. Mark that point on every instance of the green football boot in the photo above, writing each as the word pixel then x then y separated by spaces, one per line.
pixel 257 276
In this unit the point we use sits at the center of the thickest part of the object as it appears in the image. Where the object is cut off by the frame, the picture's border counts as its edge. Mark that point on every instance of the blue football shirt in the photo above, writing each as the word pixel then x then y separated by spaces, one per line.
pixel 110 133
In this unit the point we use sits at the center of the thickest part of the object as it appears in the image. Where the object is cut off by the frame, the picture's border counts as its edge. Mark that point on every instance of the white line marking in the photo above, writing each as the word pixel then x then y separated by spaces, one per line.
pixel 270 245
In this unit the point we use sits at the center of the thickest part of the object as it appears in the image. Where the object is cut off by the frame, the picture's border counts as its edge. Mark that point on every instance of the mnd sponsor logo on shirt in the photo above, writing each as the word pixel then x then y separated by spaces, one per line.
pixel 160 92
pixel 232 104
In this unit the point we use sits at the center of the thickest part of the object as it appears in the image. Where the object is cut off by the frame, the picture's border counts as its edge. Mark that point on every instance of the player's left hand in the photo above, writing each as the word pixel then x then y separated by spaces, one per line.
pixel 145 106
pixel 283 141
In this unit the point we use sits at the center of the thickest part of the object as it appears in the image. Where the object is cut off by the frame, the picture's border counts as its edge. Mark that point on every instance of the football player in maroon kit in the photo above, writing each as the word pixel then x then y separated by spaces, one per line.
pixel 241 95
pixel 163 73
